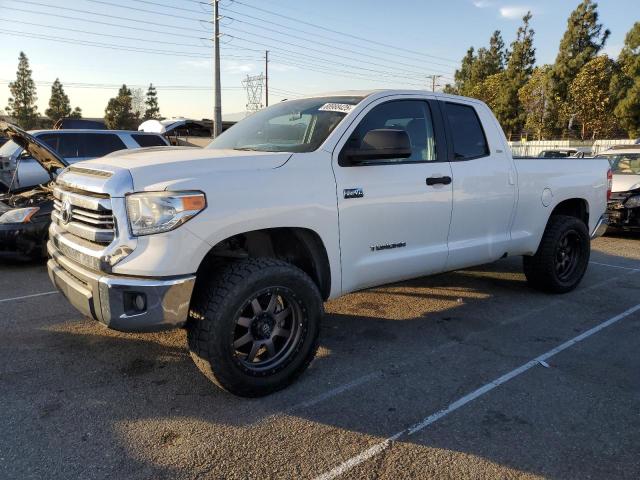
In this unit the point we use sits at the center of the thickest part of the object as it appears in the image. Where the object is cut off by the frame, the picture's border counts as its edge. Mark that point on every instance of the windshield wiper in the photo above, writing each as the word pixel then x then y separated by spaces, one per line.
pixel 247 149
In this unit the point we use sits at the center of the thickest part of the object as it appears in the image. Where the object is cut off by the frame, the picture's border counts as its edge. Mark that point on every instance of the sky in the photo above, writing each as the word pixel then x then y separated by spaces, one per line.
pixel 94 46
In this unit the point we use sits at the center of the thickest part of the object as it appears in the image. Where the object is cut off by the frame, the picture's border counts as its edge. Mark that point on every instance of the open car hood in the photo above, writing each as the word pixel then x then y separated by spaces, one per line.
pixel 41 152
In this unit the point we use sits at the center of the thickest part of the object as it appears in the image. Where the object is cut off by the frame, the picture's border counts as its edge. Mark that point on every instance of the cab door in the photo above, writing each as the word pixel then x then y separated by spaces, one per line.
pixel 484 185
pixel 394 214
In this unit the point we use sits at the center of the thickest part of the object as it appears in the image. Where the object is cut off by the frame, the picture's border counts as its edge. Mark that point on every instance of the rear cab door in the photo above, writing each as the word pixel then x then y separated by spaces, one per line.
pixel 484 184
pixel 393 222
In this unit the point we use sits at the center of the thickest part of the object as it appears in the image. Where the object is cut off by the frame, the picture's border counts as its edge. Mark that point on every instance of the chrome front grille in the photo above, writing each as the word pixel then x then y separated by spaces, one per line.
pixel 85 215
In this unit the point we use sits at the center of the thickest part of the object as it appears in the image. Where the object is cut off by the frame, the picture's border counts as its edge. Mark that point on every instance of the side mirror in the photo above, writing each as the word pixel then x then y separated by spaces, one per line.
pixel 379 145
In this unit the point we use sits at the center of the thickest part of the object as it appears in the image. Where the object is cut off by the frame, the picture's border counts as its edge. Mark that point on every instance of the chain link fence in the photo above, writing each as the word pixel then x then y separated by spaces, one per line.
pixel 593 147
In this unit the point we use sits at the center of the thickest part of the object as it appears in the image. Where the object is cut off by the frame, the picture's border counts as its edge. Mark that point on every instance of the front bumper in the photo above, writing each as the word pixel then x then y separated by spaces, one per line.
pixel 111 299
pixel 23 238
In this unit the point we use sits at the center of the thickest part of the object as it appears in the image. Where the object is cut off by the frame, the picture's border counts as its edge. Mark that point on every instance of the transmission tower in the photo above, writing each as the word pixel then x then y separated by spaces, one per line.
pixel 253 86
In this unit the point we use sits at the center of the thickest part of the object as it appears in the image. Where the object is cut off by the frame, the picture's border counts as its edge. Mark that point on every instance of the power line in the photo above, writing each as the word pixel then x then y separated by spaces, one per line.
pixel 79 19
pixel 164 5
pixel 108 86
pixel 332 39
pixel 368 40
pixel 128 7
pixel 332 64
pixel 101 45
pixel 138 39
pixel 307 48
pixel 117 17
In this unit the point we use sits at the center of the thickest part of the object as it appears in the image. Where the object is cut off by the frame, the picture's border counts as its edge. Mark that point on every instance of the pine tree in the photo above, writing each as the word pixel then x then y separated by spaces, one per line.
pixel 534 98
pixel 462 76
pixel 153 110
pixel 118 114
pixel 59 106
pixel 582 41
pixel 77 113
pixel 22 103
pixel 490 60
pixel 522 58
pixel 626 84
pixel 476 68
pixel 590 99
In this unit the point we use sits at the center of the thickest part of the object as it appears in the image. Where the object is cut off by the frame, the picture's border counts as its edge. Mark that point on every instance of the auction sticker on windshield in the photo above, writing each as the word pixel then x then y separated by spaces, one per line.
pixel 336 107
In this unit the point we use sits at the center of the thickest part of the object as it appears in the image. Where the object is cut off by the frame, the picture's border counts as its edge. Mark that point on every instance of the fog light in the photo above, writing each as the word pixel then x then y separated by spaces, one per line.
pixel 134 303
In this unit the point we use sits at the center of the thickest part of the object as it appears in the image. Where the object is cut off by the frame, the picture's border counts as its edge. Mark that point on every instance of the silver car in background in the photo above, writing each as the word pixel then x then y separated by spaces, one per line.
pixel 18 170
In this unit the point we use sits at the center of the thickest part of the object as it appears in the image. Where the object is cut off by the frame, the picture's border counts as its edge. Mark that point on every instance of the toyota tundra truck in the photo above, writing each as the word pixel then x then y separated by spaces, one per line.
pixel 307 200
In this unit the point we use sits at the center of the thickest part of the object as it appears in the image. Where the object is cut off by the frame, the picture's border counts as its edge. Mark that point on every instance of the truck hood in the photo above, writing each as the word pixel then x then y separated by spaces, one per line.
pixel 40 151
pixel 625 182
pixel 155 167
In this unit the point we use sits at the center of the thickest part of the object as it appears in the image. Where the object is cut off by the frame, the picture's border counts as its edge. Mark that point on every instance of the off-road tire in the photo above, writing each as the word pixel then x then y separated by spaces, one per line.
pixel 541 268
pixel 220 293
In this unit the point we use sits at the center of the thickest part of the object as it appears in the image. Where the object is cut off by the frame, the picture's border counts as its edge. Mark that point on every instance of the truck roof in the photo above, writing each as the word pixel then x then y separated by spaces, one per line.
pixel 384 92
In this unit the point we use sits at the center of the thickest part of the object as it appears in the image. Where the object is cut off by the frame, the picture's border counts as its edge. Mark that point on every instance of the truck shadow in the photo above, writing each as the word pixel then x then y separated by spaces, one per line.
pixel 142 397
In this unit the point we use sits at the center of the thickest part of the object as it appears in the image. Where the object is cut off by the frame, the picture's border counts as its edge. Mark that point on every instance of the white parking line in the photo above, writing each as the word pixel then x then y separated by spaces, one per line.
pixel 334 391
pixel 28 296
pixel 616 266
pixel 378 448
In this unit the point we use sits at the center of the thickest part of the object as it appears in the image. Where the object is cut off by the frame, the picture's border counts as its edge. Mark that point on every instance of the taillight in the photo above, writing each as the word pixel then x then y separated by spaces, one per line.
pixel 609 184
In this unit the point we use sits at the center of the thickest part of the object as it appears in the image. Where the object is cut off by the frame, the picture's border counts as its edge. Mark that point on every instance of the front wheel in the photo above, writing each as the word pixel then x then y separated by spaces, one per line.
pixel 254 325
pixel 562 257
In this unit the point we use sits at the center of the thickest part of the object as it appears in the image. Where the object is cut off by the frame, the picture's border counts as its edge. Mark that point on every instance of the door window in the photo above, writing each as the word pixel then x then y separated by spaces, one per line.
pixel 67 145
pixel 411 116
pixel 468 137
pixel 99 145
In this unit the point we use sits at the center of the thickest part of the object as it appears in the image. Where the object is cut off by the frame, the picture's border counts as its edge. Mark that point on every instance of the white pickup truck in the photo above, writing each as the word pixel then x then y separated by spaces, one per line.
pixel 305 201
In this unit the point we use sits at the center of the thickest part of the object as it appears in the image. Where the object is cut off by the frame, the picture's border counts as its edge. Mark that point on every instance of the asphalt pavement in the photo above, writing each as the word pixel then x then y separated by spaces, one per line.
pixel 469 374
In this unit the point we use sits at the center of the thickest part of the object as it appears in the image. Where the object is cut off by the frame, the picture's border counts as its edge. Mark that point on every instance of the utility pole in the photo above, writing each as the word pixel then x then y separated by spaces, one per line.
pixel 434 80
pixel 266 78
pixel 217 96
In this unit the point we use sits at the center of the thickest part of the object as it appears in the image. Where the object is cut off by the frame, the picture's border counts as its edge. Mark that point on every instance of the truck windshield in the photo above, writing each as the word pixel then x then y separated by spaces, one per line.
pixel 627 163
pixel 293 126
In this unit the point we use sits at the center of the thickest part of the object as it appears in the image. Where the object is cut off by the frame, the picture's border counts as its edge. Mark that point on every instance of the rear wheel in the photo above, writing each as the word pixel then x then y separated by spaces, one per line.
pixel 562 257
pixel 254 325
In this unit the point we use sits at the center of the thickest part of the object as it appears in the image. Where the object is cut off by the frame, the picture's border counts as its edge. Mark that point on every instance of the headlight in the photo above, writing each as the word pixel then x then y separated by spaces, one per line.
pixel 19 215
pixel 633 202
pixel 157 212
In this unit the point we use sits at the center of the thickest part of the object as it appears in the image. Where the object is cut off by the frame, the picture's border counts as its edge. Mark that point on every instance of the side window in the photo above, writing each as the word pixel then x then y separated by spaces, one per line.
pixel 99 145
pixel 51 140
pixel 411 116
pixel 148 140
pixel 67 145
pixel 469 140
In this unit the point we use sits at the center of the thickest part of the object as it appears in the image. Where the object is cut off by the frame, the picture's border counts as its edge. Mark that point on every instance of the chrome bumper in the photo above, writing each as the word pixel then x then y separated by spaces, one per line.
pixel 111 299
pixel 601 227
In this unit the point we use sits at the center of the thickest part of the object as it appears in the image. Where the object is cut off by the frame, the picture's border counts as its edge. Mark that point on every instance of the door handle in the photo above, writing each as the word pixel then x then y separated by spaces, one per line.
pixel 438 180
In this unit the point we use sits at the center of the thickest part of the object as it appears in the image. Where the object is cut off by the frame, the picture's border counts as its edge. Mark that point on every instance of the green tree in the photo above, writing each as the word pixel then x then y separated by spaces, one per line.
pixel 59 106
pixel 626 85
pixel 475 68
pixel 22 103
pixel 581 42
pixel 462 76
pixel 77 113
pixel 590 99
pixel 489 61
pixel 153 110
pixel 520 63
pixel 119 114
pixel 534 98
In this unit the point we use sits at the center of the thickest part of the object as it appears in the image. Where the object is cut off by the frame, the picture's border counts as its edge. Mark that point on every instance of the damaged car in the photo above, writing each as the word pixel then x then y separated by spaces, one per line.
pixel 624 204
pixel 25 207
